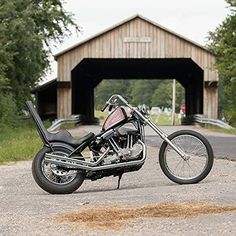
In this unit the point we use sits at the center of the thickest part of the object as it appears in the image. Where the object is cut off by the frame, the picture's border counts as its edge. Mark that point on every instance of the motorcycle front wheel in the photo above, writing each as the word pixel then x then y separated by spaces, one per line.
pixel 196 164
pixel 52 178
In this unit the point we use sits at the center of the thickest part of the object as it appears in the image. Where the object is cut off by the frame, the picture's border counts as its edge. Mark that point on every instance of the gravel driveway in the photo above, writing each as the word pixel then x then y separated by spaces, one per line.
pixel 28 210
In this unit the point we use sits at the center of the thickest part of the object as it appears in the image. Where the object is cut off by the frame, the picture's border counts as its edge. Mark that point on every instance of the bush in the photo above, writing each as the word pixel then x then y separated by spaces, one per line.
pixel 8 110
pixel 231 116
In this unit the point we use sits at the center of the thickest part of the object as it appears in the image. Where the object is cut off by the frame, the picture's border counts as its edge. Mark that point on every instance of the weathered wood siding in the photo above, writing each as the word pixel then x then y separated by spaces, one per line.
pixel 136 38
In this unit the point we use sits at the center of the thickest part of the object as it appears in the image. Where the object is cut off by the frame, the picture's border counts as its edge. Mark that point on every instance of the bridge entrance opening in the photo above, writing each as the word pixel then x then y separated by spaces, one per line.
pixel 90 72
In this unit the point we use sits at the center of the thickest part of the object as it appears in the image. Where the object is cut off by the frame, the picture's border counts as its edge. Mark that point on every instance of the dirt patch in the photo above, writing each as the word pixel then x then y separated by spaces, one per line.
pixel 114 217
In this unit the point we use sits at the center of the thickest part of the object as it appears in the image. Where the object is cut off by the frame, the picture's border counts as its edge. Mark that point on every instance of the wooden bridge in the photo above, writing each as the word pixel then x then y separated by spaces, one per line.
pixel 136 48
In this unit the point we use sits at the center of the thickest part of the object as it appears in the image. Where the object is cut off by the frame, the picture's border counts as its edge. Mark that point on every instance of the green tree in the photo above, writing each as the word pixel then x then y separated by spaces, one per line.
pixel 108 87
pixel 162 96
pixel 8 110
pixel 7 105
pixel 27 29
pixel 149 92
pixel 141 91
pixel 223 43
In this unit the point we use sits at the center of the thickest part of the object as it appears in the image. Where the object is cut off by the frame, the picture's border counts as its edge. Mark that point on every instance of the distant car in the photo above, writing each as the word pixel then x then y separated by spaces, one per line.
pixel 168 110
pixel 155 111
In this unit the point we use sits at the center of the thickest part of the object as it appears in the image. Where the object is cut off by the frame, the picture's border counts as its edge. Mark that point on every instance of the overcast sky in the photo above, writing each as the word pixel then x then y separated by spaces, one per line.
pixel 191 18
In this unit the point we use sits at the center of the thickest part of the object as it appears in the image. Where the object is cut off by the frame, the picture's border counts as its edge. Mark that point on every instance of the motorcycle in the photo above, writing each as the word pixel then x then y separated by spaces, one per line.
pixel 185 156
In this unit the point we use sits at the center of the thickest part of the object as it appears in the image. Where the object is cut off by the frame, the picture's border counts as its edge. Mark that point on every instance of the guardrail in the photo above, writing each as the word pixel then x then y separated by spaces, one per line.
pixel 74 119
pixel 79 119
pixel 58 123
pixel 203 120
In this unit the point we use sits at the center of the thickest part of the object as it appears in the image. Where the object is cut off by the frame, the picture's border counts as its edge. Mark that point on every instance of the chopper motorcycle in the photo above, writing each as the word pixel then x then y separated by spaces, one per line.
pixel 60 167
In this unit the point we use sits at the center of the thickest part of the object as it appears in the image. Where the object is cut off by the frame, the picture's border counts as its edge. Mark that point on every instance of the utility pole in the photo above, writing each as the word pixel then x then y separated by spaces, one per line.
pixel 173 101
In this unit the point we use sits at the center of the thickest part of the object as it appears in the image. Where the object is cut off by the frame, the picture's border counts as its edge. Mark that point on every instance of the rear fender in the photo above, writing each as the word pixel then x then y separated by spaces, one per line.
pixel 63 145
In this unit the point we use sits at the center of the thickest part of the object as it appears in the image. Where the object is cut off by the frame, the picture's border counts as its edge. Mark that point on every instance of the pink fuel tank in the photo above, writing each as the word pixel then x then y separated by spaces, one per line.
pixel 117 116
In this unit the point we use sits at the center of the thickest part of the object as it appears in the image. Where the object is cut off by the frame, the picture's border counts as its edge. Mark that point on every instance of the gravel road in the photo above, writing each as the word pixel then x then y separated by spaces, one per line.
pixel 28 210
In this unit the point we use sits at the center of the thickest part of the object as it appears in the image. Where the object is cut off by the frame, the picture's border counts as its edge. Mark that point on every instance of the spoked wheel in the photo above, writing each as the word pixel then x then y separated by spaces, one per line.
pixel 55 179
pixel 196 164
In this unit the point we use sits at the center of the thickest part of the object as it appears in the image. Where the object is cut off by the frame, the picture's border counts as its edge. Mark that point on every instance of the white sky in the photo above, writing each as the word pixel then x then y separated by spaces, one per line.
pixel 192 19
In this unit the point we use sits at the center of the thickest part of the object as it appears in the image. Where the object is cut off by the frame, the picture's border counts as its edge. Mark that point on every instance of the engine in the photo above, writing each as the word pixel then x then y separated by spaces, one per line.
pixel 128 154
pixel 123 146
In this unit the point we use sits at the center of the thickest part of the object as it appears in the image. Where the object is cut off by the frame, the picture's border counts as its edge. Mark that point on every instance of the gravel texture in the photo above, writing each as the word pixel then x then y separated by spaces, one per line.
pixel 28 210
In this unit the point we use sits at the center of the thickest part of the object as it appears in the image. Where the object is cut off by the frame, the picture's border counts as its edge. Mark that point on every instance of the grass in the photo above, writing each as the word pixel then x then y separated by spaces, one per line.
pixel 164 119
pixel 20 143
pixel 220 130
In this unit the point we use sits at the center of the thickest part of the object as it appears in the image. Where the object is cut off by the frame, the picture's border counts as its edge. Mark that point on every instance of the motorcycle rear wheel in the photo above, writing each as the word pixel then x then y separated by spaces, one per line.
pixel 54 179
pixel 198 161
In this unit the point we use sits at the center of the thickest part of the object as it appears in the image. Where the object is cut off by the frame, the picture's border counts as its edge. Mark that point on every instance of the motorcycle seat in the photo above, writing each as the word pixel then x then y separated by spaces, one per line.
pixel 65 137
pixel 62 136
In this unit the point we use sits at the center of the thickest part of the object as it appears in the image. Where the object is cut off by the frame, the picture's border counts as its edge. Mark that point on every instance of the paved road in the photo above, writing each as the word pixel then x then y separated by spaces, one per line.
pixel 224 145
pixel 28 210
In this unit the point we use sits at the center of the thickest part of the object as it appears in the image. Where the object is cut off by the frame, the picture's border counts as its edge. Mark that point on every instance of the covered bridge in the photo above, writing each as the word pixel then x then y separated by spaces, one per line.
pixel 136 48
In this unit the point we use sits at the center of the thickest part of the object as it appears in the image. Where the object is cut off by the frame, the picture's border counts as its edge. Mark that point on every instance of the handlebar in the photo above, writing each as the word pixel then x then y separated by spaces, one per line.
pixel 112 101
pixel 104 108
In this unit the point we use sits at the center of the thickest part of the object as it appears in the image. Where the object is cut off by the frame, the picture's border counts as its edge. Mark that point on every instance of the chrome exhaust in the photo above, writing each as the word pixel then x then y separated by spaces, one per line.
pixel 73 163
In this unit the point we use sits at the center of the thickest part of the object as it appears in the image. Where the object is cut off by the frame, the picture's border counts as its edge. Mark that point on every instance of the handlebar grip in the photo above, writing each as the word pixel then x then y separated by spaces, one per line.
pixel 105 106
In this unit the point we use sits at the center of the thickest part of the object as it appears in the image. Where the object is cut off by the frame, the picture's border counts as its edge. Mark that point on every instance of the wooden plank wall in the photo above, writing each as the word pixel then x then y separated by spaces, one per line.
pixel 134 39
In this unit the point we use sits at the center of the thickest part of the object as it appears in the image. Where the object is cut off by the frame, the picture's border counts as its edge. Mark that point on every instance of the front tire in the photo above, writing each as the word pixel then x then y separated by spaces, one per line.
pixel 53 179
pixel 198 161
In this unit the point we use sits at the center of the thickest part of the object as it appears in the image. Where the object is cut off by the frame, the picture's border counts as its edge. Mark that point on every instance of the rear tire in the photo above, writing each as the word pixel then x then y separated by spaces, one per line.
pixel 53 179
pixel 198 162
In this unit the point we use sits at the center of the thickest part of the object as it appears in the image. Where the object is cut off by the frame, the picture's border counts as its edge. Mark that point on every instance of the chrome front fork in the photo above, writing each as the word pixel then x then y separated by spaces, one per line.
pixel 163 135
pixel 165 138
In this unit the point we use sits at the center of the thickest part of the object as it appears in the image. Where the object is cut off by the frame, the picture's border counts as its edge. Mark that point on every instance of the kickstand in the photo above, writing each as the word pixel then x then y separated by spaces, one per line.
pixel 120 176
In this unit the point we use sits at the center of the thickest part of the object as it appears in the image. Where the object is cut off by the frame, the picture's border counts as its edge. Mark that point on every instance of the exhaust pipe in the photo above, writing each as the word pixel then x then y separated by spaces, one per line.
pixel 72 163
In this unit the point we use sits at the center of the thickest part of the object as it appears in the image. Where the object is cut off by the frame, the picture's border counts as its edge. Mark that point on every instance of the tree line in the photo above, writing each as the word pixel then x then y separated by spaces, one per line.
pixel 222 42
pixel 154 93
pixel 27 31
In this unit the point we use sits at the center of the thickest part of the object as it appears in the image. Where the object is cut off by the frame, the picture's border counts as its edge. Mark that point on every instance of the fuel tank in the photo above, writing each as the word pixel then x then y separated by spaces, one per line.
pixel 116 117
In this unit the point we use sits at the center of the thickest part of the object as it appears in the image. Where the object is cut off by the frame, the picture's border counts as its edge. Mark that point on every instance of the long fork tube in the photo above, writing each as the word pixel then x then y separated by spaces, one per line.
pixel 165 137
pixel 161 133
